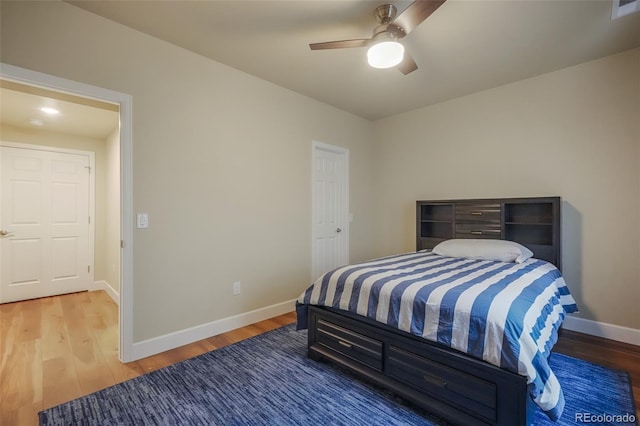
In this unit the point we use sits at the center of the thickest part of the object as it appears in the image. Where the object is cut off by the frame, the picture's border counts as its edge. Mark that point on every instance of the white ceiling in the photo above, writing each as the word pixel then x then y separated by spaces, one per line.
pixel 20 106
pixel 464 47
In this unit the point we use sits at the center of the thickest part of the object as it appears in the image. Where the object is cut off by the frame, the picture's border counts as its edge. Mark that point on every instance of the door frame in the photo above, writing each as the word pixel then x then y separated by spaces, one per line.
pixel 92 192
pixel 35 78
pixel 344 159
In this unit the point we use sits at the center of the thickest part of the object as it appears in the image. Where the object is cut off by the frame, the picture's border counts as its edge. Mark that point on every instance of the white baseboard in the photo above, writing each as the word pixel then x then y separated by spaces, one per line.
pixel 176 339
pixel 103 285
pixel 601 329
pixel 173 340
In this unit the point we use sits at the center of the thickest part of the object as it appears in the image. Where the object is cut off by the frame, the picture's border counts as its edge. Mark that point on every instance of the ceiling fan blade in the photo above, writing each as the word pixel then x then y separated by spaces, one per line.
pixel 413 16
pixel 340 44
pixel 407 65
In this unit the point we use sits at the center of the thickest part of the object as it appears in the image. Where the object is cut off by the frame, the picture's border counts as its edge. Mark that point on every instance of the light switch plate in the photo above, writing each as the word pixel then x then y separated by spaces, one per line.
pixel 143 221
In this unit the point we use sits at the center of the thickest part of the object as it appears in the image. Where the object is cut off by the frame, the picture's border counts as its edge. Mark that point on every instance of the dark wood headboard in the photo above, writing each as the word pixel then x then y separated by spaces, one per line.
pixel 533 222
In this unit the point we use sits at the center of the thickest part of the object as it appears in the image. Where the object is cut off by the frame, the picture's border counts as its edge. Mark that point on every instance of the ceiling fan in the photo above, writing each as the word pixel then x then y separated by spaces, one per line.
pixel 385 51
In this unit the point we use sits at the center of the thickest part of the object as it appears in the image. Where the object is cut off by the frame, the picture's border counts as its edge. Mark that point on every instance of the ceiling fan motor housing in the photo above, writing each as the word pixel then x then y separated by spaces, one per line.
pixel 386 13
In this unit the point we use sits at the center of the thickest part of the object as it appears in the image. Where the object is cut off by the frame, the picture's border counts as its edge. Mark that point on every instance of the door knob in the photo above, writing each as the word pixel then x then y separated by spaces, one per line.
pixel 338 230
pixel 4 234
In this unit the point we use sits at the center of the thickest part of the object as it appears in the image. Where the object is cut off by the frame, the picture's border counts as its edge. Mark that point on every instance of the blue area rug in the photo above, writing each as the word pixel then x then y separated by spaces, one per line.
pixel 268 380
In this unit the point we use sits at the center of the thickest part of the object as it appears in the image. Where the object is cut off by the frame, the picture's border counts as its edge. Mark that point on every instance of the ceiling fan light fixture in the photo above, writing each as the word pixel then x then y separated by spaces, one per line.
pixel 385 54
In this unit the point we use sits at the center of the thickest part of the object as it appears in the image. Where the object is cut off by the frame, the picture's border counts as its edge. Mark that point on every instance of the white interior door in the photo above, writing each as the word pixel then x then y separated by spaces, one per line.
pixel 330 208
pixel 44 217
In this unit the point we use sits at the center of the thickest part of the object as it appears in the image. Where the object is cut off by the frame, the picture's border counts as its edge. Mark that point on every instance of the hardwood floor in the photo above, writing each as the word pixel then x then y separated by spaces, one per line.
pixel 59 348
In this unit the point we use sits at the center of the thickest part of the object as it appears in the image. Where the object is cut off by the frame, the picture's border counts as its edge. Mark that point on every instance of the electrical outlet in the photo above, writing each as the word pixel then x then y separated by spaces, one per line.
pixel 236 288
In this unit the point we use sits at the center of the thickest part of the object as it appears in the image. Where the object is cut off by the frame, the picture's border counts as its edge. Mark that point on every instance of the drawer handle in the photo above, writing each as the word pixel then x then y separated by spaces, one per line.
pixel 433 380
pixel 345 344
pixel 476 232
pixel 475 213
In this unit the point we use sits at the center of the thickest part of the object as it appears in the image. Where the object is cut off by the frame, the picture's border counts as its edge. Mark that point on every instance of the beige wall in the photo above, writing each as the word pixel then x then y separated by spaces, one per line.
pixel 221 163
pixel 36 136
pixel 112 210
pixel 573 133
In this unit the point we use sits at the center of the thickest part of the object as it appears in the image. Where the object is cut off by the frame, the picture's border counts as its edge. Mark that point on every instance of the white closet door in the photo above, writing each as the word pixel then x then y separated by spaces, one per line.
pixel 44 219
pixel 330 232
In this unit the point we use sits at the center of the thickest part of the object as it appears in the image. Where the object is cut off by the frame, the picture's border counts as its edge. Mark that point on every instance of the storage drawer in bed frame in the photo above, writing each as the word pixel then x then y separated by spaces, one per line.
pixel 353 345
pixel 445 382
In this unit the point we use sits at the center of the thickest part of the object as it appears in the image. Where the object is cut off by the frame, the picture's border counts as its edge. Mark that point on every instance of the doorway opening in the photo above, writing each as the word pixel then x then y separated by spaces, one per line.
pixel 113 250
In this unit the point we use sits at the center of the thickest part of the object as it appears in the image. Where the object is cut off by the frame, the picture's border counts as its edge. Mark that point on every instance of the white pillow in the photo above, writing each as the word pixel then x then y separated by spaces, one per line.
pixel 500 250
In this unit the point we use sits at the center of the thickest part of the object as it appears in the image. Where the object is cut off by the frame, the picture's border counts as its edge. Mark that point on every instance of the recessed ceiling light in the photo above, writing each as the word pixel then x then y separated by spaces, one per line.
pixel 49 110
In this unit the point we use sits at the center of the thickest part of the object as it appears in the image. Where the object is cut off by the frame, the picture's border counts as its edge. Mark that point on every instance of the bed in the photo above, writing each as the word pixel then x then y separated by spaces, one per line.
pixel 455 327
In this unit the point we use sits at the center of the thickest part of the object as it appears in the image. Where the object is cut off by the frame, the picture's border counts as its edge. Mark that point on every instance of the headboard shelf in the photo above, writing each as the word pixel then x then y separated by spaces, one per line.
pixel 533 222
pixel 529 213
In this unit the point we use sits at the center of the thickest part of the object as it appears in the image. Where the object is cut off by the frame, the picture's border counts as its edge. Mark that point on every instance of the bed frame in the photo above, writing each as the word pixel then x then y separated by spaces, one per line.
pixel 447 383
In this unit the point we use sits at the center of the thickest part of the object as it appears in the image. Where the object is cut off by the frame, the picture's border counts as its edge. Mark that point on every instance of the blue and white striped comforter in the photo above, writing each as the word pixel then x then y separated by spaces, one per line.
pixel 506 314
